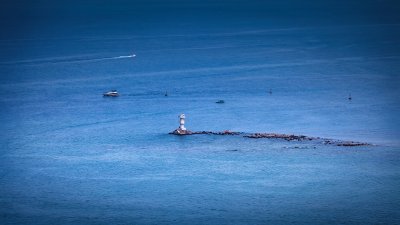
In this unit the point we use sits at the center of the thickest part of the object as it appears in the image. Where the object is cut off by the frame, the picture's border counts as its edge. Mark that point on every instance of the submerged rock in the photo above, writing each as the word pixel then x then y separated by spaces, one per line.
pixel 345 143
pixel 351 143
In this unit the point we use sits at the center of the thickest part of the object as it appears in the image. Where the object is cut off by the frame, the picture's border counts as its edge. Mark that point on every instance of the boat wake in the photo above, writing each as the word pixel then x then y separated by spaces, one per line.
pixel 124 56
pixel 61 60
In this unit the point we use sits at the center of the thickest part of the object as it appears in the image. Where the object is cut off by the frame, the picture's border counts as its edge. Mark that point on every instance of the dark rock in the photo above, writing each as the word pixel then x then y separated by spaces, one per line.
pixel 280 136
pixel 352 144
pixel 187 132
pixel 344 143
pixel 181 132
pixel 227 132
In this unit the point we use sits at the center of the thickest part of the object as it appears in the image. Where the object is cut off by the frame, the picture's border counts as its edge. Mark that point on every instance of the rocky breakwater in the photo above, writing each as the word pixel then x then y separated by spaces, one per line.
pixel 187 132
pixel 181 130
pixel 292 137
pixel 287 137
pixel 226 132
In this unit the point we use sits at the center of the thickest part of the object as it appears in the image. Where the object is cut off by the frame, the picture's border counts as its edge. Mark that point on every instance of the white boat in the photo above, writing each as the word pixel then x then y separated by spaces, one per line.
pixel 112 93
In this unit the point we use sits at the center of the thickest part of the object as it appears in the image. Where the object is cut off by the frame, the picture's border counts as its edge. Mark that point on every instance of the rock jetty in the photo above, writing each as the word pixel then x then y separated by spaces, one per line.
pixel 286 137
pixel 181 130
pixel 188 132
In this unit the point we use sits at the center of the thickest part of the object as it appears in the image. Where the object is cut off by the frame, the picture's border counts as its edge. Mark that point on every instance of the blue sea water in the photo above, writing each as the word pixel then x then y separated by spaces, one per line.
pixel 71 156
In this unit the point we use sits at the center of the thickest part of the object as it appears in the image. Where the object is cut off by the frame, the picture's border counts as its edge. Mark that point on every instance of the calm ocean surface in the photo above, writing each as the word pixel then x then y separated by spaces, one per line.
pixel 70 156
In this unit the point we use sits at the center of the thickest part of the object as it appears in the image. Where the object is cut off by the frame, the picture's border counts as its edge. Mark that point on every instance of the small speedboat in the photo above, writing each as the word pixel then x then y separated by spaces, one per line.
pixel 112 93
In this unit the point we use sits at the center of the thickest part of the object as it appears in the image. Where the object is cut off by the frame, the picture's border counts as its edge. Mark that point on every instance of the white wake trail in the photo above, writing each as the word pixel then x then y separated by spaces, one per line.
pixel 64 60
pixel 109 58
pixel 124 56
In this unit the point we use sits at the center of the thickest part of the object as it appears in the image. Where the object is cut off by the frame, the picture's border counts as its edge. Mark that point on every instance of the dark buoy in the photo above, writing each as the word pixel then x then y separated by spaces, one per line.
pixel 220 101
pixel 166 94
pixel 349 97
pixel 270 91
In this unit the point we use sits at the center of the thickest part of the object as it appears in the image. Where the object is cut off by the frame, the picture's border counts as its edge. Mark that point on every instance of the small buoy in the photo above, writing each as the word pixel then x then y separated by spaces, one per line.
pixel 270 91
pixel 220 101
pixel 349 97
pixel 166 94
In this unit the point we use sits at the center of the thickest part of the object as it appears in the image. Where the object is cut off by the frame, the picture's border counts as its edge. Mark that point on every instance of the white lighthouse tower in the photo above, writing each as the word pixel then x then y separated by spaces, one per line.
pixel 181 130
pixel 182 122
